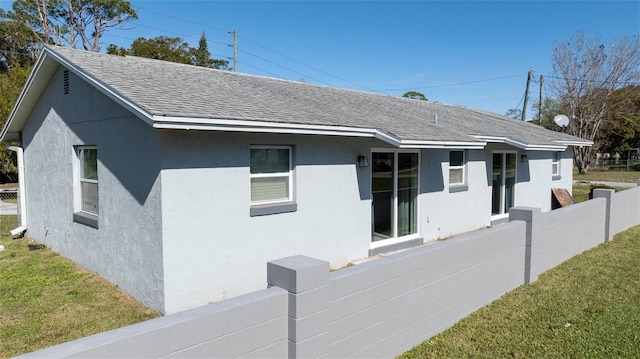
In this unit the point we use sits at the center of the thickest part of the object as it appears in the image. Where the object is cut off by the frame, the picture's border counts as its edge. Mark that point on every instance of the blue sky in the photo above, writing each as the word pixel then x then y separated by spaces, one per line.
pixel 470 53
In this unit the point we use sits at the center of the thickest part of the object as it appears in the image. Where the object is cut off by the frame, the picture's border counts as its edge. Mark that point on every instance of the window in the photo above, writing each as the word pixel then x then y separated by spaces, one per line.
pixel 456 168
pixel 86 190
pixel 555 165
pixel 271 174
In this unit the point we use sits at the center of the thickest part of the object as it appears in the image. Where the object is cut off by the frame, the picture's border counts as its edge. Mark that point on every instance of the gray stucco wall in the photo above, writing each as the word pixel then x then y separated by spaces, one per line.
pixel 126 248
pixel 445 212
pixel 250 326
pixel 214 249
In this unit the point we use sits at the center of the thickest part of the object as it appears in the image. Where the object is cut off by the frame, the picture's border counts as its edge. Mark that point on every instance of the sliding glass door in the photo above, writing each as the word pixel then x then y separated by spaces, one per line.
pixel 394 184
pixel 503 182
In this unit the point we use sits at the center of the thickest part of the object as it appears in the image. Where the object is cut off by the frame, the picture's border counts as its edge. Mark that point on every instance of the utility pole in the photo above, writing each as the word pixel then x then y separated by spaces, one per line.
pixel 235 51
pixel 540 103
pixel 526 96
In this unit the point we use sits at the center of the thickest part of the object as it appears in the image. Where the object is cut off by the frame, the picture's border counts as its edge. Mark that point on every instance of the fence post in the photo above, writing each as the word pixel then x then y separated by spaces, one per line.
pixel 607 194
pixel 532 217
pixel 307 281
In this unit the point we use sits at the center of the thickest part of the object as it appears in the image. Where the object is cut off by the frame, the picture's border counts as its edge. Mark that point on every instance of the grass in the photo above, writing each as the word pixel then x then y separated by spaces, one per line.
pixel 581 192
pixel 612 174
pixel 605 174
pixel 45 300
pixel 586 307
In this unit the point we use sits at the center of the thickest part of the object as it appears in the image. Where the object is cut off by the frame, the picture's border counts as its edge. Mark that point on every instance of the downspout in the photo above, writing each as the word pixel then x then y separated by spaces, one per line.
pixel 21 190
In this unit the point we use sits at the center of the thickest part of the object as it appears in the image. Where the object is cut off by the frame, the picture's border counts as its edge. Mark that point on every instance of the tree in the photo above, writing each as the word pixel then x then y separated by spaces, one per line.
pixel 621 127
pixel 587 73
pixel 72 22
pixel 19 47
pixel 515 113
pixel 415 95
pixel 202 57
pixel 173 49
pixel 165 48
pixel 545 115
pixel 10 86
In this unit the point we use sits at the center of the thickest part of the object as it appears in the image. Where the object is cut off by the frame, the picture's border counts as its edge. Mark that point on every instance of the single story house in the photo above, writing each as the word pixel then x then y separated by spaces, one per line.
pixel 178 183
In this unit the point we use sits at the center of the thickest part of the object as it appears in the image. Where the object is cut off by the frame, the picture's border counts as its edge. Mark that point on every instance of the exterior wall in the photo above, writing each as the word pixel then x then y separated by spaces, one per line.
pixel 378 308
pixel 208 232
pixel 126 248
pixel 534 177
pixel 442 207
pixel 214 249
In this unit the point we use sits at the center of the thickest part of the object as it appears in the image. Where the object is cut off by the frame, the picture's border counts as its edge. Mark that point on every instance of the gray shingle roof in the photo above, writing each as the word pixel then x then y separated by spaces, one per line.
pixel 169 90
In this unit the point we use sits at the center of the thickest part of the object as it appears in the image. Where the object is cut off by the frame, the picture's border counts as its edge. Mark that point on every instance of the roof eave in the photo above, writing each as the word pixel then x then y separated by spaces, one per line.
pixel 560 146
pixel 33 87
pixel 38 79
pixel 255 126
pixel 576 143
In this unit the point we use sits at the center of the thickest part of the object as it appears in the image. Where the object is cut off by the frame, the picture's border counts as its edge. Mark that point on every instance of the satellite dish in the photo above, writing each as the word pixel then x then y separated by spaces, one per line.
pixel 561 120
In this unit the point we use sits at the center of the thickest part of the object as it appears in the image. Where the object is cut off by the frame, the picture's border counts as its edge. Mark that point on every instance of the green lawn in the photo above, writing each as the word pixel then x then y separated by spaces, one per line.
pixel 46 300
pixel 587 307
pixel 607 174
pixel 580 192
pixel 604 174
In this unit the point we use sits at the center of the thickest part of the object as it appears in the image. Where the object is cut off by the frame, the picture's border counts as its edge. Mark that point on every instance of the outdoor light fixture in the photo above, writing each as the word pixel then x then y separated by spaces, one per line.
pixel 363 161
pixel 523 158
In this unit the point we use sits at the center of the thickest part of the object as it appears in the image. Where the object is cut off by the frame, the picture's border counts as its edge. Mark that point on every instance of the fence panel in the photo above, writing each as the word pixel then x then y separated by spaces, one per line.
pixel 625 210
pixel 566 232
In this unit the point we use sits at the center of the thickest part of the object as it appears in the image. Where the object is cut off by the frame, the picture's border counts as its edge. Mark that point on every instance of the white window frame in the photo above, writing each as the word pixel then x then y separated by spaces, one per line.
pixel 555 164
pixel 505 213
pixel 406 238
pixel 462 167
pixel 288 174
pixel 82 215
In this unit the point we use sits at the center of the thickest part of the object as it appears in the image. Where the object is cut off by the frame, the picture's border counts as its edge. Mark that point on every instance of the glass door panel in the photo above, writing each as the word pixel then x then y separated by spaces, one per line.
pixel 496 184
pixel 382 188
pixel 509 181
pixel 407 193
pixel 503 182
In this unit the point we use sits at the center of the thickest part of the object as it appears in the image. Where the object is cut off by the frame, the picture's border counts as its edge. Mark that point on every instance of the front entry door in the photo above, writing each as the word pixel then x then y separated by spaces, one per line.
pixel 503 182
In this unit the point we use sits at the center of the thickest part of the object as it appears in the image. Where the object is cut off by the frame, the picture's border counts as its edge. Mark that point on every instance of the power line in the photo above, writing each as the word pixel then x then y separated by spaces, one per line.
pixel 265 71
pixel 183 20
pixel 309 66
pixel 453 84
pixel 261 46
pixel 284 67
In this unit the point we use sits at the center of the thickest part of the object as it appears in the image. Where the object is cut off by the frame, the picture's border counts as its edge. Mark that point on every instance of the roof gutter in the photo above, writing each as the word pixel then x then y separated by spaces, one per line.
pixel 523 146
pixel 576 143
pixel 245 125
